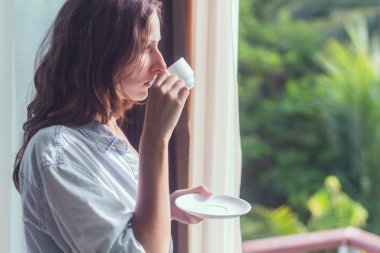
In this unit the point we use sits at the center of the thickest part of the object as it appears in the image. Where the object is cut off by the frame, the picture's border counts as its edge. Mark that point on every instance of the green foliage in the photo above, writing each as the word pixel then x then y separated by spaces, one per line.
pixel 281 121
pixel 332 208
pixel 329 206
pixel 296 126
pixel 352 88
pixel 264 222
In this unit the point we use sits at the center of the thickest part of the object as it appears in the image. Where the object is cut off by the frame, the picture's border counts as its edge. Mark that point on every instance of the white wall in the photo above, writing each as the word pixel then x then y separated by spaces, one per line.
pixel 22 27
pixel 6 112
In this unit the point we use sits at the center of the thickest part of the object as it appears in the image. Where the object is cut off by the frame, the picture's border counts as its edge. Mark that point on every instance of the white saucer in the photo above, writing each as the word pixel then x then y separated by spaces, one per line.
pixel 213 207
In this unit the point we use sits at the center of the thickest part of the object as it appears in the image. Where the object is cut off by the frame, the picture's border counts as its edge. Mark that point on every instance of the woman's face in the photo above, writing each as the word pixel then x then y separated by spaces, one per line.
pixel 151 63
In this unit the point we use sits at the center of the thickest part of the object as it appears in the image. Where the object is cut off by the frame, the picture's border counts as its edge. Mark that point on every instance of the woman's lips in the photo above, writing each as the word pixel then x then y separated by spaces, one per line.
pixel 148 84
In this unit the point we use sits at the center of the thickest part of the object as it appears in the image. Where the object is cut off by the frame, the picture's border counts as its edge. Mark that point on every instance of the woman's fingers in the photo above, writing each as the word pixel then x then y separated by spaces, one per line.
pixel 180 215
pixel 179 89
pixel 189 219
pixel 166 81
pixel 161 77
pixel 170 84
pixel 193 219
pixel 202 190
pixel 166 99
pixel 183 93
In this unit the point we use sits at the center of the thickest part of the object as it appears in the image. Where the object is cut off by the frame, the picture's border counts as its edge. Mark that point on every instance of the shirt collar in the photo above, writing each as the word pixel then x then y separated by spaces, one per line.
pixel 101 137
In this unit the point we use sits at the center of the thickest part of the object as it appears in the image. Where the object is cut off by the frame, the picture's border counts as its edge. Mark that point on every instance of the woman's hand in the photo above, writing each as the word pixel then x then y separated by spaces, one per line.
pixel 166 99
pixel 181 216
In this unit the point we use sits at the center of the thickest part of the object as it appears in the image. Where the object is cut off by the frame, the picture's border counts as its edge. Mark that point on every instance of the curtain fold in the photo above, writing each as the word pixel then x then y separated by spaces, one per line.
pixel 215 149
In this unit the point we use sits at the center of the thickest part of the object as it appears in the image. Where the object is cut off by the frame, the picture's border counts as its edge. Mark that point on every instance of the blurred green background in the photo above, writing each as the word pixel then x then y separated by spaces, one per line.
pixel 309 90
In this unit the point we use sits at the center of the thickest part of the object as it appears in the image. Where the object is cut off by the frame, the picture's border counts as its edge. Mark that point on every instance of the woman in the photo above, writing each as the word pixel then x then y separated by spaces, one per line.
pixel 83 186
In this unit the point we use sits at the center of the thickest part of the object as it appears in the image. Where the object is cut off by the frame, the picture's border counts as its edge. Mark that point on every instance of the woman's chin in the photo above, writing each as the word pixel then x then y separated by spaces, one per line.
pixel 140 97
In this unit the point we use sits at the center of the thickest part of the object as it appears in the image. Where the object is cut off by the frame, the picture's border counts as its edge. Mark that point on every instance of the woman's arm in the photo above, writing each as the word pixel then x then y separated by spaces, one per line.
pixel 152 218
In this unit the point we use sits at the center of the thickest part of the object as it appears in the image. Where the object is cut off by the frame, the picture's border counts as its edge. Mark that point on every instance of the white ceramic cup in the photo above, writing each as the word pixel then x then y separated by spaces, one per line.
pixel 183 70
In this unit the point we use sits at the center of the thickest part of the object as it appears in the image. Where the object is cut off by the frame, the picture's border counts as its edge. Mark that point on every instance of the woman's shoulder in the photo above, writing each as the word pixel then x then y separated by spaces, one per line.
pixel 52 136
pixel 46 145
pixel 43 150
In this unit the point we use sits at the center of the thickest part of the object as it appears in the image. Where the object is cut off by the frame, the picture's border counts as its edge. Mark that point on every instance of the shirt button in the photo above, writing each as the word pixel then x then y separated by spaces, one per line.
pixel 120 145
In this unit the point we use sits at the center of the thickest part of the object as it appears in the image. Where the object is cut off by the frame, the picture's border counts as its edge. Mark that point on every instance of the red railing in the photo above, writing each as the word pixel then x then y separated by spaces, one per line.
pixel 327 239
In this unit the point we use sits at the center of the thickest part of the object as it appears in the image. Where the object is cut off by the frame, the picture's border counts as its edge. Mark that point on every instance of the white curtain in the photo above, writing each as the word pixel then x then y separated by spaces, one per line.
pixel 215 158
pixel 22 27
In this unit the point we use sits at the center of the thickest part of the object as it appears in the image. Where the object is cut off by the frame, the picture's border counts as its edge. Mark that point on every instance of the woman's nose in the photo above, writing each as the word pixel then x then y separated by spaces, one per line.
pixel 159 62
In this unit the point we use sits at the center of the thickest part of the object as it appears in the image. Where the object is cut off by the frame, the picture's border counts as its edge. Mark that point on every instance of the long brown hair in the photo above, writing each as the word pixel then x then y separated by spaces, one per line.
pixel 78 63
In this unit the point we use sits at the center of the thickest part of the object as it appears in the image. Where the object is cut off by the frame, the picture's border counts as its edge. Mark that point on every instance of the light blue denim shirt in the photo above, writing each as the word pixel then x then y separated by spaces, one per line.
pixel 79 189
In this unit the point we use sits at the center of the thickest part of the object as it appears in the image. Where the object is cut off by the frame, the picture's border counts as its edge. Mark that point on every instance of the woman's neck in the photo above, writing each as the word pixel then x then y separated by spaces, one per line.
pixel 112 126
pixel 111 122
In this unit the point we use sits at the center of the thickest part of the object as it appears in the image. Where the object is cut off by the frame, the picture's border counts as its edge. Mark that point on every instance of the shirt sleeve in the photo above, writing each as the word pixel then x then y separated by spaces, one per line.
pixel 89 216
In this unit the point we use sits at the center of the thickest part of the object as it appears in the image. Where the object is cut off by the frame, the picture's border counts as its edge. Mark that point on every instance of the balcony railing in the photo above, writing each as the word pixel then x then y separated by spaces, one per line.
pixel 345 239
